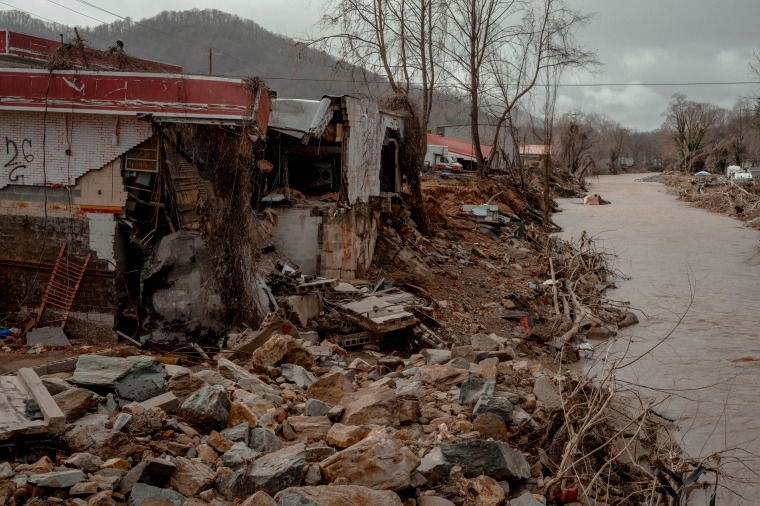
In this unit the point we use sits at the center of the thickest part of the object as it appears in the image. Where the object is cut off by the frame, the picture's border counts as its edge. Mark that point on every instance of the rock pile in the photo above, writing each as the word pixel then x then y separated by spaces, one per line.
pixel 282 427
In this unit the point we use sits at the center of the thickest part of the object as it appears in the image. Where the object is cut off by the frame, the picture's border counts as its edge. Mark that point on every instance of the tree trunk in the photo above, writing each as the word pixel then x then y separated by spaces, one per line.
pixel 413 158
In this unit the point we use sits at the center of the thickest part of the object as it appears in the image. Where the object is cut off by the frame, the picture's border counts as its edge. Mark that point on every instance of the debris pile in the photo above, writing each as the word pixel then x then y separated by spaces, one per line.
pixel 466 425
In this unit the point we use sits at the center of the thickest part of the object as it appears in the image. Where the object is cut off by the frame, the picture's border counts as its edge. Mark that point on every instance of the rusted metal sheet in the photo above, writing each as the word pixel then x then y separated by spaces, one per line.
pixel 162 96
pixel 37 50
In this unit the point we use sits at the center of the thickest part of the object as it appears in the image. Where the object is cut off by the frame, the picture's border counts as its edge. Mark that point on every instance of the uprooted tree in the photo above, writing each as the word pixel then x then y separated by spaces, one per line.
pixel 400 40
pixel 497 50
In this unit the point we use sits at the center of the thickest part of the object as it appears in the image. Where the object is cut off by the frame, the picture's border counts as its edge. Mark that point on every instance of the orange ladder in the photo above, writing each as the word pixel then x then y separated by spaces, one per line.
pixel 62 287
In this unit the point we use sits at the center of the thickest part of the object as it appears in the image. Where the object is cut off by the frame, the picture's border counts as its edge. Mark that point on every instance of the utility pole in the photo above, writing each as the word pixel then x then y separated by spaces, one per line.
pixel 211 55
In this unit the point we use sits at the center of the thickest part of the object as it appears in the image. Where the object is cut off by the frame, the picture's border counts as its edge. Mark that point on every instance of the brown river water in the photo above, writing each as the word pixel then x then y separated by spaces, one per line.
pixel 702 268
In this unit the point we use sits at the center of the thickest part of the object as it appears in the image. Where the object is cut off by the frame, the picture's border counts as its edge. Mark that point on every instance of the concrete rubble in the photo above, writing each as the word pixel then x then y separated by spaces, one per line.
pixel 322 430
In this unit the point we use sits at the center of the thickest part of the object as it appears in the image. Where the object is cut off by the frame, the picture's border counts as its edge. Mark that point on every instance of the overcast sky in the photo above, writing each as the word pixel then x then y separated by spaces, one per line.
pixel 642 41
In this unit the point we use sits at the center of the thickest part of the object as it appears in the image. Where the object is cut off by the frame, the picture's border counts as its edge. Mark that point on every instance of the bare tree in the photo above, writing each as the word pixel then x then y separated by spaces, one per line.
pixel 754 64
pixel 400 40
pixel 576 140
pixel 688 124
pixel 497 49
pixel 645 149
pixel 613 141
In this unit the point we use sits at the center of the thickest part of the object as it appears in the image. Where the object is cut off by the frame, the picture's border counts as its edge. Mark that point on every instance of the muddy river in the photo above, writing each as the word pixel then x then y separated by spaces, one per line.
pixel 695 284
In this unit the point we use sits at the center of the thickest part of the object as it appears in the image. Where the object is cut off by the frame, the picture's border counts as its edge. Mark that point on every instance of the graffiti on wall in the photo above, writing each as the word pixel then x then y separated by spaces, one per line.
pixel 17 156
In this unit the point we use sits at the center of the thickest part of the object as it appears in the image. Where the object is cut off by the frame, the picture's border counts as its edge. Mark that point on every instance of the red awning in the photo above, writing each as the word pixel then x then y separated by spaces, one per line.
pixel 169 96
pixel 457 146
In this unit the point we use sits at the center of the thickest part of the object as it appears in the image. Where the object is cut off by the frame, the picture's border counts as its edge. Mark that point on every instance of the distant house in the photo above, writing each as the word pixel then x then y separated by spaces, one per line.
pixel 533 152
pixel 463 150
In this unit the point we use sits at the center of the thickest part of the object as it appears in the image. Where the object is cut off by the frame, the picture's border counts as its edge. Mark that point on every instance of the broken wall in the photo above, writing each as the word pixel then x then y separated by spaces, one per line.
pixel 27 263
pixel 71 194
pixel 363 143
pixel 330 241
pixel 297 236
pixel 347 242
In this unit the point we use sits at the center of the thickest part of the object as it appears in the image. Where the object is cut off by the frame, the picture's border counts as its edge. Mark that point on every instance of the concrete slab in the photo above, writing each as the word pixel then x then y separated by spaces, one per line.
pixel 26 407
pixel 47 336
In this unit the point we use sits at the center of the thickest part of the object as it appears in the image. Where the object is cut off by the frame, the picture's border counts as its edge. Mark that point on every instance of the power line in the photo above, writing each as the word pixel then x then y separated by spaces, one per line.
pixel 77 12
pixel 85 2
pixel 695 83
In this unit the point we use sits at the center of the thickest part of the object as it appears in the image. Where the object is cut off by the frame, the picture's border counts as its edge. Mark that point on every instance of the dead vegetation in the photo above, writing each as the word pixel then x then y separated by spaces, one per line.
pixel 719 195
pixel 229 228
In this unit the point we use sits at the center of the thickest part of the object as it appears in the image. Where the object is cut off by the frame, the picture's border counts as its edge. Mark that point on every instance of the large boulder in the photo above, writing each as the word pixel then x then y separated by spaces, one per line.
pixel 137 378
pixel 366 406
pixel 331 388
pixel 179 303
pixel 492 458
pixel 191 477
pixel 105 443
pixel 281 349
pixel 377 462
pixel 275 471
pixel 208 407
pixel 338 495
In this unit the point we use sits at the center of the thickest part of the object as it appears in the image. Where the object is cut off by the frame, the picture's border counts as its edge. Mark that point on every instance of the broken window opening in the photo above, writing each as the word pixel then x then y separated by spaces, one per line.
pixel 303 171
pixel 390 169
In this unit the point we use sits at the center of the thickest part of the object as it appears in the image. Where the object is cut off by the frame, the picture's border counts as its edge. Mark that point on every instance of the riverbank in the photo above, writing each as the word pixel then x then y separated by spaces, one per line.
pixel 718 194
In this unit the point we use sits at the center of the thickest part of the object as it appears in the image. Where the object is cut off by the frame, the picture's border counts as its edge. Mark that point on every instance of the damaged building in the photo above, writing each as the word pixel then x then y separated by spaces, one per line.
pixel 148 201
pixel 334 167
pixel 97 168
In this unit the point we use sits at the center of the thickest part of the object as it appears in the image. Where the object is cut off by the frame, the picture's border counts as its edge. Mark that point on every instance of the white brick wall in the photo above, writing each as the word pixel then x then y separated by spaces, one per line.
pixel 102 235
pixel 94 140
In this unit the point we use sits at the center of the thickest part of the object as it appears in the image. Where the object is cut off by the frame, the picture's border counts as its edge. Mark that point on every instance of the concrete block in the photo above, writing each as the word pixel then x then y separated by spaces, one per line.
pixel 168 402
pixel 47 336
